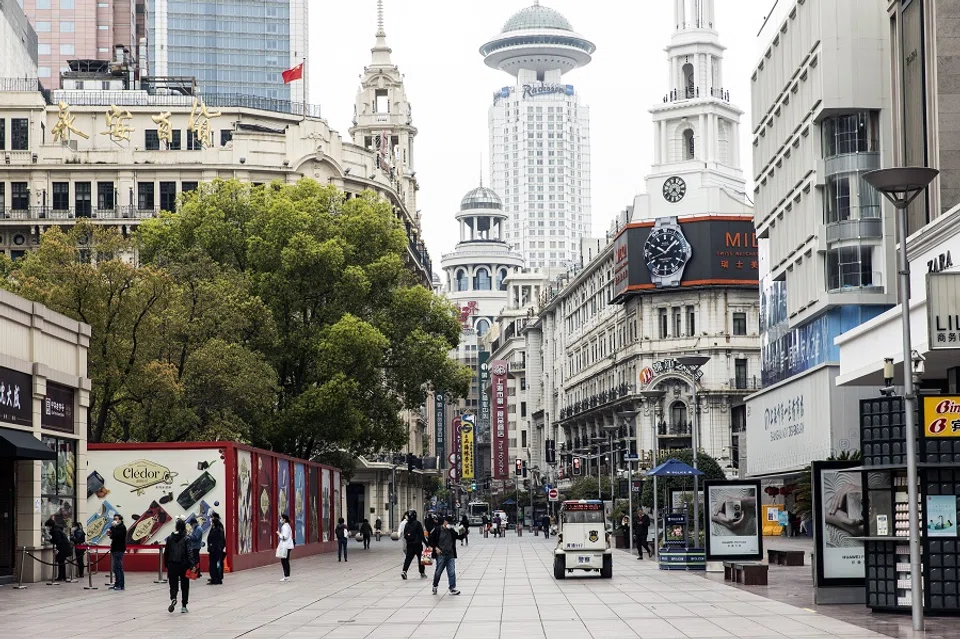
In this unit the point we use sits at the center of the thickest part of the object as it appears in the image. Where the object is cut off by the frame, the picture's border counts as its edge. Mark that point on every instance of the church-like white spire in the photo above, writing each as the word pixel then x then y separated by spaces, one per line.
pixel 380 51
pixel 693 14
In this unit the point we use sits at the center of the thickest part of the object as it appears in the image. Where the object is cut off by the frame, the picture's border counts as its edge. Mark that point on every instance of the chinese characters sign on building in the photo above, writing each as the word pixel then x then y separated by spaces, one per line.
pixel 943 310
pixel 440 426
pixel 941 416
pixel 16 398
pixel 467 426
pixel 650 373
pixel 483 378
pixel 57 411
pixel 501 444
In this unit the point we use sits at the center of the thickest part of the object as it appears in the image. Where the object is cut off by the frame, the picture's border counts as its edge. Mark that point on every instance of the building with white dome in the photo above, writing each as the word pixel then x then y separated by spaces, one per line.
pixel 540 137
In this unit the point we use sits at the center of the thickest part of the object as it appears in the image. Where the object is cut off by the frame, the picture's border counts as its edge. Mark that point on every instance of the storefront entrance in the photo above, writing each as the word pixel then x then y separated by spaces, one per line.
pixel 8 516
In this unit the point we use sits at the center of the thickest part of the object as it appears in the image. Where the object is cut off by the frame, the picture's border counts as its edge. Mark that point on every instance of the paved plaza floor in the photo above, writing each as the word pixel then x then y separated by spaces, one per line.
pixel 507 585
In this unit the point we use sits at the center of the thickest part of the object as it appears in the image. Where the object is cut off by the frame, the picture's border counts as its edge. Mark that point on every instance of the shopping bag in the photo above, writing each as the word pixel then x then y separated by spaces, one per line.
pixel 359 537
pixel 426 559
pixel 192 572
pixel 281 552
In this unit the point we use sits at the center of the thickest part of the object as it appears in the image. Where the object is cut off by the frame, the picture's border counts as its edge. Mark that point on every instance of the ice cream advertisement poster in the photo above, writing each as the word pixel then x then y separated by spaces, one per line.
pixel 941 516
pixel 151 489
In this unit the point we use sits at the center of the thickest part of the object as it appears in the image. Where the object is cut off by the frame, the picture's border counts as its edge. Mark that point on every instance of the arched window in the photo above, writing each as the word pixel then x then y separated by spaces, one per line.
pixel 688 81
pixel 481 280
pixel 501 276
pixel 678 418
pixel 463 282
pixel 482 326
pixel 689 148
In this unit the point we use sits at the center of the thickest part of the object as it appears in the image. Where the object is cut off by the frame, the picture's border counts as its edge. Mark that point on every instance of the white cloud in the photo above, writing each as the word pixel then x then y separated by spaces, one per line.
pixel 435 43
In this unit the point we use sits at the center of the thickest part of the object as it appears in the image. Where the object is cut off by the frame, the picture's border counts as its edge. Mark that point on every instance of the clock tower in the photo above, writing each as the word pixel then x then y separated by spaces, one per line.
pixel 696 128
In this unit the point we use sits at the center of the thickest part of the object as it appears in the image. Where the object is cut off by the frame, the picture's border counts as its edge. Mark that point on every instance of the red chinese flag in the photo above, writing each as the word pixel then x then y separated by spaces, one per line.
pixel 295 73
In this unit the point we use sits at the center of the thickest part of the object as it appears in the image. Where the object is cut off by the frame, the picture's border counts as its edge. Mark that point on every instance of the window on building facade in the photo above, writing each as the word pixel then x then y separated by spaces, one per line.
pixel 168 196
pixel 850 267
pixel 678 418
pixel 151 140
pixel 193 143
pixel 146 197
pixel 740 373
pixel 382 104
pixel 691 321
pixel 19 134
pixel 850 133
pixel 481 280
pixel 57 495
pixel 105 196
pixel 663 323
pixel 81 199
pixel 523 410
pixel 482 326
pixel 463 282
pixel 739 323
pixel 523 438
pixel 677 322
pixel 3 134
pixel 189 187
pixel 501 279
pixel 174 143
pixel 689 145
pixel 226 137
pixel 523 380
pixel 61 196
pixel 19 196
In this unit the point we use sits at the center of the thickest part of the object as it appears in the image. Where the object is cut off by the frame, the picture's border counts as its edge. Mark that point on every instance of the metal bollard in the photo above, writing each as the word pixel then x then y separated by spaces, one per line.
pixel 23 559
pixel 160 579
pixel 86 554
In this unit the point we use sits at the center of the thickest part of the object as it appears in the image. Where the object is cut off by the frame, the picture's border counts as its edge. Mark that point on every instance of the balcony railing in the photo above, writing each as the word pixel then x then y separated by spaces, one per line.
pixel 745 383
pixel 691 93
pixel 598 400
pixel 871 227
pixel 675 429
pixel 71 213
pixel 855 281
pixel 516 366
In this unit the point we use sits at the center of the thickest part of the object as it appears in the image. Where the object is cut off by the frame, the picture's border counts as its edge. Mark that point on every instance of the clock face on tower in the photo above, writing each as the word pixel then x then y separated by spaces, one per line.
pixel 666 251
pixel 674 189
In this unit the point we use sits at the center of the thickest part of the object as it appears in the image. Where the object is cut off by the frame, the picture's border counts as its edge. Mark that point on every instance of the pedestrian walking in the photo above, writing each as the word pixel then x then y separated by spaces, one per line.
pixel 429 523
pixel 61 544
pixel 216 549
pixel 366 531
pixel 118 546
pixel 496 525
pixel 195 539
pixel 443 541
pixel 378 528
pixel 78 538
pixel 642 532
pixel 285 545
pixel 414 535
pixel 545 524
pixel 400 533
pixel 465 524
pixel 178 557
pixel 485 526
pixel 341 533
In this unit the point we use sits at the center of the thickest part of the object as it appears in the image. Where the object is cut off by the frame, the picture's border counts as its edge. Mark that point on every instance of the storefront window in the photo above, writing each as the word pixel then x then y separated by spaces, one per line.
pixel 58 493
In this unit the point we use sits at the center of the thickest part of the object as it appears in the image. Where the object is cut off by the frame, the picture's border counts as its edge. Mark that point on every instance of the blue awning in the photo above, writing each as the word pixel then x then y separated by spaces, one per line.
pixel 673 468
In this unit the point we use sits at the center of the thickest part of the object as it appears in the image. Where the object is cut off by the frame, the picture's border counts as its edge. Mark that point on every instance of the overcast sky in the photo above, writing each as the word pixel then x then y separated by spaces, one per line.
pixel 435 43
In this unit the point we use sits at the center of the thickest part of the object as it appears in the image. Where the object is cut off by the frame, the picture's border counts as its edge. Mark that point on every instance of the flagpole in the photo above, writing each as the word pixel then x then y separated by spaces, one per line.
pixel 304 79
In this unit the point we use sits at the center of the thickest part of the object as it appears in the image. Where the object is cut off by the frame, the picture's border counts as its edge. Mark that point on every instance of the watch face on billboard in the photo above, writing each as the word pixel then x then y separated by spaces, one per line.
pixel 666 251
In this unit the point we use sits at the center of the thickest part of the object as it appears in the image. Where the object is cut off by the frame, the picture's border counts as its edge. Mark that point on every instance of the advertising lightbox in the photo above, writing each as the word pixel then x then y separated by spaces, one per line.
pixel 734 530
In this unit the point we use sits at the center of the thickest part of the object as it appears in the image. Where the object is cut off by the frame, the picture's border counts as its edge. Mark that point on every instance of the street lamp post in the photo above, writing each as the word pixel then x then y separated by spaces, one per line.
pixel 694 363
pixel 629 418
pixel 653 397
pixel 901 186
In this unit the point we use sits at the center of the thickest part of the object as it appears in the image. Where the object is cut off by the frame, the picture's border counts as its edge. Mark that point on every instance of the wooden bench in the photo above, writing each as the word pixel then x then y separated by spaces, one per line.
pixel 785 557
pixel 746 573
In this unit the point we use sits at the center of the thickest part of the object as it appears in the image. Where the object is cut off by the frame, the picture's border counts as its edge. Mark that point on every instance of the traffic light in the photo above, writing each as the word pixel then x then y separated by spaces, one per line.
pixel 551 451
pixel 519 467
pixel 576 465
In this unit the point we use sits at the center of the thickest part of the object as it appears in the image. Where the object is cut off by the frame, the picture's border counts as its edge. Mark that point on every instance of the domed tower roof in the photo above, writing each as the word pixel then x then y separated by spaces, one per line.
pixel 481 198
pixel 537 17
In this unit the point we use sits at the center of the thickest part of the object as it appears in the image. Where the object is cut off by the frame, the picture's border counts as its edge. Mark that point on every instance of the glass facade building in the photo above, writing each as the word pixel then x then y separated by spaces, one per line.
pixel 230 46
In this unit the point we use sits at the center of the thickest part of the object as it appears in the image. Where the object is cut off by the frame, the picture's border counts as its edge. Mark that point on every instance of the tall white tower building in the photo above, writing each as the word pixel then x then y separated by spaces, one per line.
pixel 540 136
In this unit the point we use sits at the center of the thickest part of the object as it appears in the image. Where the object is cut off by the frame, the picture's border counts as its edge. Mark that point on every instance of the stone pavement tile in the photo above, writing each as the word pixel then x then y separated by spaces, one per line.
pixel 589 612
pixel 707 610
pixel 349 631
pixel 632 611
pixel 829 624
pixel 741 627
pixel 486 630
pixel 564 628
pixel 669 610
pixel 440 614
pixel 433 630
pixel 557 613
pixel 654 629
pixel 477 613
pixel 519 630
pixel 610 629
pixel 694 627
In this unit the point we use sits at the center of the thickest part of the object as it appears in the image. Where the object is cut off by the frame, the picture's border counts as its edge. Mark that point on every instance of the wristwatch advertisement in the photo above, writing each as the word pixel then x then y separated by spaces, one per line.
pixel 666 253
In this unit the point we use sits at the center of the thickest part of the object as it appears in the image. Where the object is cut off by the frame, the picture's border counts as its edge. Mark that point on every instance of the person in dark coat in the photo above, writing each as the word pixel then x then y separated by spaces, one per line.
pixel 216 549
pixel 641 530
pixel 413 534
pixel 341 533
pixel 443 541
pixel 61 545
pixel 366 531
pixel 465 524
pixel 545 524
pixel 429 523
pixel 78 538
pixel 118 546
pixel 195 539
pixel 378 527
pixel 178 557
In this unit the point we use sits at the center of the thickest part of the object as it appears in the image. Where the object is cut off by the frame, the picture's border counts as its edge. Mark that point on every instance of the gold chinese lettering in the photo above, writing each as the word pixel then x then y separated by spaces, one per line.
pixel 164 128
pixel 199 122
pixel 65 124
pixel 117 127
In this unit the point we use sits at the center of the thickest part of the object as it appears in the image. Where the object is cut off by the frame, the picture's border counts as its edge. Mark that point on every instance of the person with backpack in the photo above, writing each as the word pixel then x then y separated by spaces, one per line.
pixel 78 538
pixel 413 534
pixel 178 557
pixel 341 532
pixel 365 533
pixel 285 545
pixel 443 541
pixel 216 549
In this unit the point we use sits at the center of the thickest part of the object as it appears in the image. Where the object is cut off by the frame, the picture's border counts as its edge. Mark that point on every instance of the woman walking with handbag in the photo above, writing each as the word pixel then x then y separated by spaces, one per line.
pixel 285 545
pixel 179 558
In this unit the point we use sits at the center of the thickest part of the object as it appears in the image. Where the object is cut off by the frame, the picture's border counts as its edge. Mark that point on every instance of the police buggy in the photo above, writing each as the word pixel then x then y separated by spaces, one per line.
pixel 583 542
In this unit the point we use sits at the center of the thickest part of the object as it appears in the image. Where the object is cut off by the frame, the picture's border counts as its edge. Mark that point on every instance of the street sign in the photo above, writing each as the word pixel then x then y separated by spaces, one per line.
pixel 631 456
pixel 547 487
pixel 458 504
pixel 452 473
pixel 554 494
pixel 454 458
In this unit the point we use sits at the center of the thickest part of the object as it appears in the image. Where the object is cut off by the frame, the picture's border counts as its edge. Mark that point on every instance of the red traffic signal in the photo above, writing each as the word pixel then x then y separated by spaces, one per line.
pixel 519 467
pixel 576 465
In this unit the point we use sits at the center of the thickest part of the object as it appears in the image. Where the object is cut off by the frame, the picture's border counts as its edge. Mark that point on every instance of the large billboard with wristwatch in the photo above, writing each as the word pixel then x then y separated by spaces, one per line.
pixel 693 251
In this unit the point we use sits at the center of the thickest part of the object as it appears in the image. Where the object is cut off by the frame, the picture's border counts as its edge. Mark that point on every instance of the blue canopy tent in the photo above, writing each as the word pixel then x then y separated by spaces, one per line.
pixel 670 468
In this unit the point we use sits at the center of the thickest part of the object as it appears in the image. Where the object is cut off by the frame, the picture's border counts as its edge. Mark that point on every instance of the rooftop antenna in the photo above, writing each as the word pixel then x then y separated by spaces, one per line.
pixel 380 30
pixel 481 169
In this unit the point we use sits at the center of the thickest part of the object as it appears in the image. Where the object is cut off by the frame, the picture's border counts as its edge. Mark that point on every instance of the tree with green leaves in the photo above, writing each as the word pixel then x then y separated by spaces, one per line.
pixel 354 339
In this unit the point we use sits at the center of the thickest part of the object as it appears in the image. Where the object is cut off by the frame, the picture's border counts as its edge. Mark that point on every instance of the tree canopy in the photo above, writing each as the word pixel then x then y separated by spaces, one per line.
pixel 280 315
